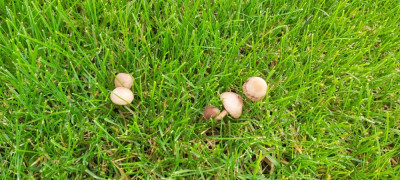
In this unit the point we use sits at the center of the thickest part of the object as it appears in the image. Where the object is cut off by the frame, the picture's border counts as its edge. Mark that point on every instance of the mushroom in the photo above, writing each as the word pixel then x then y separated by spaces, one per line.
pixel 233 105
pixel 255 88
pixel 210 112
pixel 121 96
pixel 123 80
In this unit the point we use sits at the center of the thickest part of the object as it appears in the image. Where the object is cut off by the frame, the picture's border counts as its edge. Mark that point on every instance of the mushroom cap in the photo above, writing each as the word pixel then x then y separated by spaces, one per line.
pixel 233 103
pixel 121 96
pixel 210 112
pixel 255 88
pixel 123 80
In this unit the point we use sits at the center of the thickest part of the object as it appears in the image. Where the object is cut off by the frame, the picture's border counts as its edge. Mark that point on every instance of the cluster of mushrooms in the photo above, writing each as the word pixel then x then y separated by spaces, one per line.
pixel 254 88
pixel 122 95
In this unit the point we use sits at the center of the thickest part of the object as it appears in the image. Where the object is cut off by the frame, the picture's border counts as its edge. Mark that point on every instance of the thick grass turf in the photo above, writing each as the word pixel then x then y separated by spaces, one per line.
pixel 332 108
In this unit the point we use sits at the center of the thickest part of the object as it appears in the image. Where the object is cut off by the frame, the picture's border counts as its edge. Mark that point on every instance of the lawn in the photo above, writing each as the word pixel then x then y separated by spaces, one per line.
pixel 332 109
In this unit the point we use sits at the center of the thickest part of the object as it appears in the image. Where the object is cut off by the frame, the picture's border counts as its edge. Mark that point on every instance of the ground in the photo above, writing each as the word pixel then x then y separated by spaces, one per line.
pixel 332 109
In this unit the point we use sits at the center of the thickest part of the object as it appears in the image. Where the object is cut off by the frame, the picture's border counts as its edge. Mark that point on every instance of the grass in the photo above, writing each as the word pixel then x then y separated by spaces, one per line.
pixel 332 109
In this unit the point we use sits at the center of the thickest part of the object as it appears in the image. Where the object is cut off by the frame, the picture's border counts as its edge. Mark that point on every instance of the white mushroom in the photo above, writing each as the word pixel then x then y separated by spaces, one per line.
pixel 233 105
pixel 210 112
pixel 123 80
pixel 121 96
pixel 255 88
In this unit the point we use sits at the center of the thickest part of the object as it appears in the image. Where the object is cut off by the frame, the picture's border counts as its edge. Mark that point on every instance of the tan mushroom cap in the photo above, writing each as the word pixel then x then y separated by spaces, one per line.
pixel 210 112
pixel 123 80
pixel 233 103
pixel 255 88
pixel 121 96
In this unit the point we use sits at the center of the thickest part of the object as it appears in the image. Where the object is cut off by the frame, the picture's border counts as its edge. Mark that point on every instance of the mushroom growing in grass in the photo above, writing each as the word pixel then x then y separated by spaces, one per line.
pixel 233 105
pixel 123 80
pixel 121 96
pixel 255 88
pixel 210 112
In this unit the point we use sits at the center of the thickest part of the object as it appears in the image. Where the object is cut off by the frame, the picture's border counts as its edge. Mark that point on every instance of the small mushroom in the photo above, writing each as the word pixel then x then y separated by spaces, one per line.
pixel 255 88
pixel 123 80
pixel 121 96
pixel 210 112
pixel 233 105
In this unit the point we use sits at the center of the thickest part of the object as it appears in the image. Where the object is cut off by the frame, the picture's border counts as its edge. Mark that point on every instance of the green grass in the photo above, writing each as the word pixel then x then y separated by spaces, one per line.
pixel 332 109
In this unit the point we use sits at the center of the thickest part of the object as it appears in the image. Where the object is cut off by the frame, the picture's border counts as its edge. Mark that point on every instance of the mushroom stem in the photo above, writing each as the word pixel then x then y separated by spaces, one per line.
pixel 222 115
